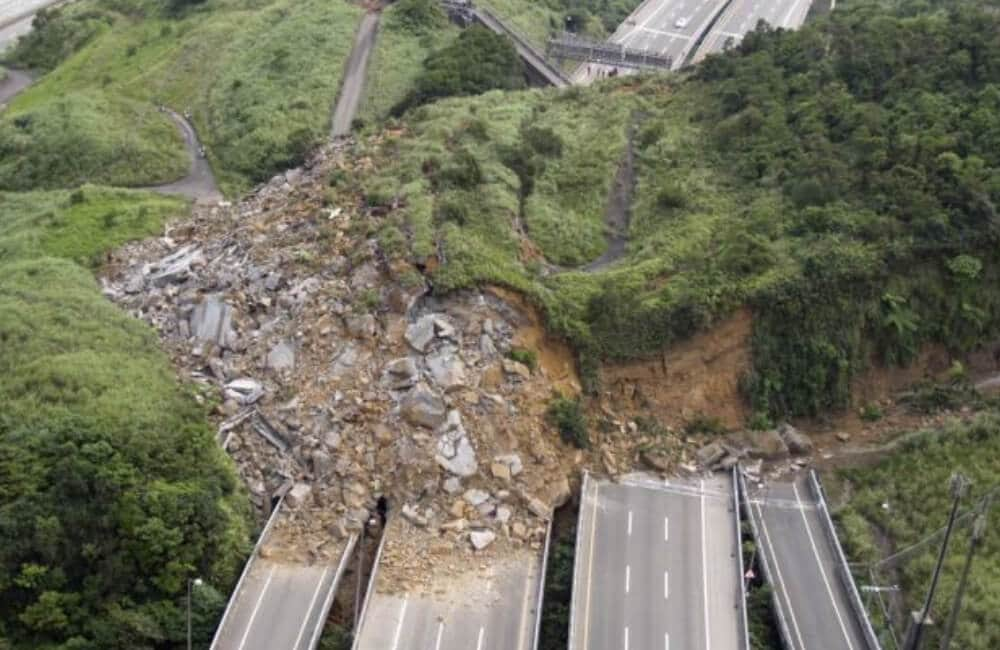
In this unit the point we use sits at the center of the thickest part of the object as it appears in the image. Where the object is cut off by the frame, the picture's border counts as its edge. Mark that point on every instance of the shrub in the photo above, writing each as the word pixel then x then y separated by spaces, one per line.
pixel 705 424
pixel 527 357
pixel 568 417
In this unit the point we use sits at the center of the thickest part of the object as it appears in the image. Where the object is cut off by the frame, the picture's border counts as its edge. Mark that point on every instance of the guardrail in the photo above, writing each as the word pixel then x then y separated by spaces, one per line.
pixel 742 594
pixel 541 581
pixel 328 603
pixel 577 564
pixel 246 571
pixel 843 569
pixel 489 18
pixel 371 587
pixel 786 634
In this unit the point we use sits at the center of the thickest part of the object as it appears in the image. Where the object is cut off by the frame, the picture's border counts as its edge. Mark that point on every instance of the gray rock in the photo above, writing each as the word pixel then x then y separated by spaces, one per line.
pixel 345 360
pixel 798 442
pixel 452 485
pixel 401 373
pixel 332 439
pixel 244 390
pixel 364 277
pixel 413 516
pixel 443 328
pixel 447 370
pixel 281 357
pixel 476 497
pixel 422 407
pixel 486 346
pixel 710 454
pixel 322 463
pixel 362 326
pixel 211 321
pixel 298 494
pixel 517 369
pixel 766 444
pixel 421 333
pixel 176 267
pixel 463 462
pixel 480 539
pixel 513 461
pixel 504 514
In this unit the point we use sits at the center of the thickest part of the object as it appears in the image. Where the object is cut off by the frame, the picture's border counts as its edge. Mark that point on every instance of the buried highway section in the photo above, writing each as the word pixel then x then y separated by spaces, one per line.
pixel 487 599
pixel 281 602
pixel 657 566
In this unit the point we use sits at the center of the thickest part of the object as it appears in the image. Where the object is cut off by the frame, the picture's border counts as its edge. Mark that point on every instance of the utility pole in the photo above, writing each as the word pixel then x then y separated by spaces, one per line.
pixel 191 583
pixel 978 530
pixel 959 484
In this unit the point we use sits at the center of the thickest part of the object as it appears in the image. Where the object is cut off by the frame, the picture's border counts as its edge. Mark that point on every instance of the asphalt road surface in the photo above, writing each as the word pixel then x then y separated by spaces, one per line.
pixel 353 86
pixel 280 606
pixel 16 17
pixel 814 601
pixel 742 16
pixel 667 27
pixel 12 84
pixel 199 184
pixel 656 566
pixel 496 611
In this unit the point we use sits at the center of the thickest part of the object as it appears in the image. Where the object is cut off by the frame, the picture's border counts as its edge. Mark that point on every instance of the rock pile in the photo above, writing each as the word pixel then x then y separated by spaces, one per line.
pixel 338 379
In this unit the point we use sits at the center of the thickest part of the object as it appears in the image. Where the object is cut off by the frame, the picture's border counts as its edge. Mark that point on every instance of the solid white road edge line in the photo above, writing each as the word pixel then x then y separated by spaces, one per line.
pixel 822 571
pixel 399 625
pixel 704 569
pixel 312 603
pixel 256 607
pixel 781 580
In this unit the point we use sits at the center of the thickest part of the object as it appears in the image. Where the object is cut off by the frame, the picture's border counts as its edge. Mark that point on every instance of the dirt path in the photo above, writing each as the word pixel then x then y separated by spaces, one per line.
pixel 353 86
pixel 200 183
pixel 618 211
pixel 14 83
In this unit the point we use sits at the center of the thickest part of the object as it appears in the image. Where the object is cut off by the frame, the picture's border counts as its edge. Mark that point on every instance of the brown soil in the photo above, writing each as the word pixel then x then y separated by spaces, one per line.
pixel 556 360
pixel 699 376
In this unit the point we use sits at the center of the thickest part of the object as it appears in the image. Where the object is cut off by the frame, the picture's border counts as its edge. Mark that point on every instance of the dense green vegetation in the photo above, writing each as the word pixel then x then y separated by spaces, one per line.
pixel 558 598
pixel 914 484
pixel 477 61
pixel 410 30
pixel 113 491
pixel 841 180
pixel 259 79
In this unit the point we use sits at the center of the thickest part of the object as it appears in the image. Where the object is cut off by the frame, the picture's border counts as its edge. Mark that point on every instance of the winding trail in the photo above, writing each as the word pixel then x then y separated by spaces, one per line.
pixel 352 87
pixel 199 184
pixel 14 83
pixel 617 213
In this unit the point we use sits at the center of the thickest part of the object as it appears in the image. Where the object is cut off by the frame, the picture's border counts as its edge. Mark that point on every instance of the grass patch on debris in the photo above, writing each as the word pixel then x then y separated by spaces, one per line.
pixel 115 491
pixel 259 78
pixel 914 484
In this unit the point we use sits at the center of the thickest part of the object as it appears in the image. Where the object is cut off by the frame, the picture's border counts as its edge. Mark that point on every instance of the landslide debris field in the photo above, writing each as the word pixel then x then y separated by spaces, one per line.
pixel 478 295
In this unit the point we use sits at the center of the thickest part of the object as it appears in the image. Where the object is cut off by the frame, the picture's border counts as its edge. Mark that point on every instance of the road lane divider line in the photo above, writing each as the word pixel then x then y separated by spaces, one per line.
pixel 628 575
pixel 822 571
pixel 666 529
pixel 666 585
pixel 626 637
pixel 437 644
pixel 256 608
pixel 629 523
pixel 666 641
pixel 479 643
pixel 312 604
pixel 590 568
pixel 399 625
pixel 777 572
pixel 704 568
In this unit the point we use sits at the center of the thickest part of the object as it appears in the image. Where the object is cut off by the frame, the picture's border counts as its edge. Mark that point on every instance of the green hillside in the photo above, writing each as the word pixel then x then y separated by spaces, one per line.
pixel 113 490
pixel 259 78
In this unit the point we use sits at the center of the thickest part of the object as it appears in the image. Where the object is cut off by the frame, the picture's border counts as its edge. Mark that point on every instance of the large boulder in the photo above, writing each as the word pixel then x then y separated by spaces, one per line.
pixel 281 357
pixel 423 407
pixel 421 333
pixel 211 321
pixel 447 370
pixel 798 442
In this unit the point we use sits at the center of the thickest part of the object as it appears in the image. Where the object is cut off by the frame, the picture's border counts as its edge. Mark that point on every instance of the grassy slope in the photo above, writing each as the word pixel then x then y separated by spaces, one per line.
pixel 259 78
pixel 75 370
pixel 397 61
pixel 914 482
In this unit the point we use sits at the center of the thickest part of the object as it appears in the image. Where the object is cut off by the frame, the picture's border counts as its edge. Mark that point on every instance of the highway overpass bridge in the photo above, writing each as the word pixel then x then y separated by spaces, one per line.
pixel 280 604
pixel 816 600
pixel 658 565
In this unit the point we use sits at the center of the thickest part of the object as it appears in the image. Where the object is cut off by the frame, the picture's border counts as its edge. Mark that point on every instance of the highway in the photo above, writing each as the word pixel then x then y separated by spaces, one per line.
pixel 742 16
pixel 280 603
pixel 668 27
pixel 656 566
pixel 813 600
pixel 492 605
pixel 16 17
